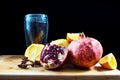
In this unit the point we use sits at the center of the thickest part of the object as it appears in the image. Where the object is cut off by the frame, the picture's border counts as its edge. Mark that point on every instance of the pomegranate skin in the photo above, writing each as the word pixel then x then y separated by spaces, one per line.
pixel 85 52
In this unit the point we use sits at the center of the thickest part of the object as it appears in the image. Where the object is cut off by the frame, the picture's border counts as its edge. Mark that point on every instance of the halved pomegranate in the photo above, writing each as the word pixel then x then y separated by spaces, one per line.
pixel 53 56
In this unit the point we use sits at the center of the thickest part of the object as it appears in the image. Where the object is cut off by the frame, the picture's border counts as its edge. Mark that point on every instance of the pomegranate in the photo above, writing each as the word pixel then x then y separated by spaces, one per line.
pixel 53 56
pixel 85 52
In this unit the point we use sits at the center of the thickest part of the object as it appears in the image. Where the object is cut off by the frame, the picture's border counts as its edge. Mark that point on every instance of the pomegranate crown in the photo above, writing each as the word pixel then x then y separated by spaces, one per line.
pixel 82 35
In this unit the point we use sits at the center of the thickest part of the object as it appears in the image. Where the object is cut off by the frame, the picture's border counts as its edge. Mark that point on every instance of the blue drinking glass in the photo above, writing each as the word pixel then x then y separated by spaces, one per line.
pixel 36 28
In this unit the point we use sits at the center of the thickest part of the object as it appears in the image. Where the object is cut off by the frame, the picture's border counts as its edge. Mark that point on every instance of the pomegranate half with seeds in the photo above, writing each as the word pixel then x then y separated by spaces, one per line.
pixel 53 56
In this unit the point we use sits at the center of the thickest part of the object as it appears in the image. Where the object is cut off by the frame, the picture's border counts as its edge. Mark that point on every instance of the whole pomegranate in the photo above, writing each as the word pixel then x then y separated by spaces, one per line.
pixel 85 52
pixel 53 56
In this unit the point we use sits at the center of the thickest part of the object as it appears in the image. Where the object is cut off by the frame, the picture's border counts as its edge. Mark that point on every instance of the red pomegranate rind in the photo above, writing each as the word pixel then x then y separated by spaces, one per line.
pixel 53 56
pixel 85 52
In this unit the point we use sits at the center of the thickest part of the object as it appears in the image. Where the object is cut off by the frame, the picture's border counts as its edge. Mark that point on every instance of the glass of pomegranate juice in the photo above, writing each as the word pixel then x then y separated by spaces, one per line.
pixel 36 28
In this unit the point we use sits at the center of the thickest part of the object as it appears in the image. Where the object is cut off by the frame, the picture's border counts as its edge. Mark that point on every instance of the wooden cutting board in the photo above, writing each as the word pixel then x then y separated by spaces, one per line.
pixel 10 71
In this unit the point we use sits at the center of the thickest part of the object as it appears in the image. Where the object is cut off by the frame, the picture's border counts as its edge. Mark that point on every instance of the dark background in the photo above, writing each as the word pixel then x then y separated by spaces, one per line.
pixel 98 19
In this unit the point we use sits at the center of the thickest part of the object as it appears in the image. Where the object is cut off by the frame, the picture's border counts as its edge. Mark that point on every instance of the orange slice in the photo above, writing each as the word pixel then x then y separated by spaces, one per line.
pixel 60 42
pixel 72 36
pixel 108 61
pixel 33 52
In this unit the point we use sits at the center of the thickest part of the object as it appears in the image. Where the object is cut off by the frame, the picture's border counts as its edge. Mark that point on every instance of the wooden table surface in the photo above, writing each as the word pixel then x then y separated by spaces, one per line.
pixel 10 71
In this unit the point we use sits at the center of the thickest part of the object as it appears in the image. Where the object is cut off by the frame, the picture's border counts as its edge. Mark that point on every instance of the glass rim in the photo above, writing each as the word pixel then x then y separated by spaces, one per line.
pixel 36 14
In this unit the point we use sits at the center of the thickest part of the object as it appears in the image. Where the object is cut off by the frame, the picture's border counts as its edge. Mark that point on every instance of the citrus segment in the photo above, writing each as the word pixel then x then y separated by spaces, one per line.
pixel 108 61
pixel 60 42
pixel 33 52
pixel 72 36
